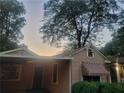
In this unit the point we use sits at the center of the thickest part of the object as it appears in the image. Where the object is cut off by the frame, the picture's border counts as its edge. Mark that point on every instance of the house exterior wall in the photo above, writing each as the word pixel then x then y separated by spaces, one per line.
pixel 104 78
pixel 25 82
pixel 62 86
pixel 29 69
pixel 27 77
pixel 80 57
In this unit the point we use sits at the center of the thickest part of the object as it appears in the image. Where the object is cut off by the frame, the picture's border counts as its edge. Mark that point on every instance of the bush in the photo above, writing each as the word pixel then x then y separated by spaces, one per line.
pixel 95 87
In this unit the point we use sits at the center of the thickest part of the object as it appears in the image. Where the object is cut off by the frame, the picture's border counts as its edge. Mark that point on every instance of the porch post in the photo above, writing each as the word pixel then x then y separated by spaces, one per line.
pixel 117 69
pixel 109 77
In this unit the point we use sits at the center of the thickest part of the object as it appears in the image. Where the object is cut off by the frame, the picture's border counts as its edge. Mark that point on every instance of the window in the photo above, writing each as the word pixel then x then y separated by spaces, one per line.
pixel 91 78
pixel 55 74
pixel 9 71
pixel 90 53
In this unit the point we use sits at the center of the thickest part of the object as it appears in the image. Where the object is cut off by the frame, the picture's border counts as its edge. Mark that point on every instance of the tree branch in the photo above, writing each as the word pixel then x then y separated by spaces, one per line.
pixel 88 29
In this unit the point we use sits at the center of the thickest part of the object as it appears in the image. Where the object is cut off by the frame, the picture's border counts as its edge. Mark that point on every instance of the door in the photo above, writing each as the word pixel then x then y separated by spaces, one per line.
pixel 37 83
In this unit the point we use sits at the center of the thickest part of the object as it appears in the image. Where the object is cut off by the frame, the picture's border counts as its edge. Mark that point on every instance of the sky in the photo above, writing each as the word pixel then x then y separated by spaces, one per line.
pixel 32 37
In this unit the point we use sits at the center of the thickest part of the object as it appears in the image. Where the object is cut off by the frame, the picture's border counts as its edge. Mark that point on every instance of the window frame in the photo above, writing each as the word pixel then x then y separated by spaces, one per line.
pixel 19 71
pixel 88 53
pixel 53 69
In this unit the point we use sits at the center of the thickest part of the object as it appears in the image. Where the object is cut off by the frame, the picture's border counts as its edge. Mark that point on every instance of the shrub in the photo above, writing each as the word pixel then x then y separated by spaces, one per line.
pixel 95 87
pixel 84 87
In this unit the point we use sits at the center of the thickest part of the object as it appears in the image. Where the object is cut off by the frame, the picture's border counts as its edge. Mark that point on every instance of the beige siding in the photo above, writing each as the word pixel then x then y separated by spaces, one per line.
pixel 79 58
pixel 25 82
pixel 103 78
pixel 76 69
pixel 62 85
pixel 27 75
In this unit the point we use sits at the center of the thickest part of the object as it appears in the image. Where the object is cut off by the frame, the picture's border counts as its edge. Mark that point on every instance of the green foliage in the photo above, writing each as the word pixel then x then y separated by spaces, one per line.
pixel 78 21
pixel 118 40
pixel 85 87
pixel 95 87
pixel 6 44
pixel 116 46
pixel 11 22
pixel 109 49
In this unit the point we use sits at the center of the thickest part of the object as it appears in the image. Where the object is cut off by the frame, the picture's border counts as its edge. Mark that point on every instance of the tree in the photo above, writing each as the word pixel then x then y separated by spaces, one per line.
pixel 109 49
pixel 77 21
pixel 11 22
pixel 116 46
pixel 118 40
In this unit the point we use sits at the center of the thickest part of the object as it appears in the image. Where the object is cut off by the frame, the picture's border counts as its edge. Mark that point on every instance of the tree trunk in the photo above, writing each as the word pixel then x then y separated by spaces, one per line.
pixel 88 29
pixel 78 32
pixel 85 39
pixel 79 38
pixel 79 42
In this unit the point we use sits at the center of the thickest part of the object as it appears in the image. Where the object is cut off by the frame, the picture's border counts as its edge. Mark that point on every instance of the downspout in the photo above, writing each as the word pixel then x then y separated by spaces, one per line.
pixel 70 76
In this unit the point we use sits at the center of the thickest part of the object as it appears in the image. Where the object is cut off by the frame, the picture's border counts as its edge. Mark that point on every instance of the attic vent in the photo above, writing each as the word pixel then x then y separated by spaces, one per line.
pixel 90 53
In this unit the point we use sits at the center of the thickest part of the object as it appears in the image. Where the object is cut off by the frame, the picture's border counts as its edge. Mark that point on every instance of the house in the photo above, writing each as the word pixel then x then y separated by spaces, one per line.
pixel 21 70
pixel 88 64
pixel 117 69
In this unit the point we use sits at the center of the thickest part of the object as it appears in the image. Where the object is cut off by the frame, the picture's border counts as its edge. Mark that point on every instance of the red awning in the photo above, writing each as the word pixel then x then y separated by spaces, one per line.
pixel 93 68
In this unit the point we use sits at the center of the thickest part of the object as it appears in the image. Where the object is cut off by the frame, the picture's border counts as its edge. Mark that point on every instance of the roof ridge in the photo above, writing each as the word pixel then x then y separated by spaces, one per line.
pixel 9 51
pixel 73 52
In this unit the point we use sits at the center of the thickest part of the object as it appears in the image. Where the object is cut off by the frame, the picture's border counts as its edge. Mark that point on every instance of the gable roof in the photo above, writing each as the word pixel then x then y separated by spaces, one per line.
pixel 72 53
pixel 26 53
pixel 20 52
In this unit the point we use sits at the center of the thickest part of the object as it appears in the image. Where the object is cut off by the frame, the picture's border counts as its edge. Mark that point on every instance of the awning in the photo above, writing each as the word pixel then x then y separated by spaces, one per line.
pixel 94 69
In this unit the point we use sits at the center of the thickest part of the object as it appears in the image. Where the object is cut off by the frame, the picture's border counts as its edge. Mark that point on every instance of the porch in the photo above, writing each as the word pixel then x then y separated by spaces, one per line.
pixel 35 75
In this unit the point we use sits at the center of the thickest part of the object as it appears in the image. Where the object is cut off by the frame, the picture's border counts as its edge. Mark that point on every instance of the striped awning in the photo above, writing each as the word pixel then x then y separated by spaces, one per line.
pixel 93 68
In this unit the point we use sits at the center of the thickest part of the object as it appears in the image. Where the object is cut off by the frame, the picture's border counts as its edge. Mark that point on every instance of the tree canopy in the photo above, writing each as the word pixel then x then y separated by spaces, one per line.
pixel 11 22
pixel 78 21
pixel 116 46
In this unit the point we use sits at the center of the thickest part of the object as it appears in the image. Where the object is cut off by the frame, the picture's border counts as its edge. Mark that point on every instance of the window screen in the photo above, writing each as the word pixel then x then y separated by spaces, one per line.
pixel 90 53
pixel 55 73
pixel 9 71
